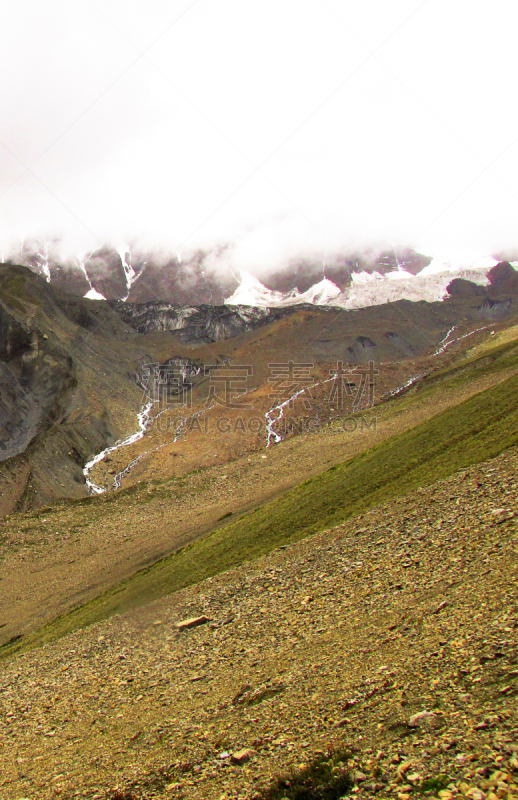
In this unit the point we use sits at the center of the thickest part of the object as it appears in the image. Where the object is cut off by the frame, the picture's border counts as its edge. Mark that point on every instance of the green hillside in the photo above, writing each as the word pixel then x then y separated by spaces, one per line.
pixel 476 429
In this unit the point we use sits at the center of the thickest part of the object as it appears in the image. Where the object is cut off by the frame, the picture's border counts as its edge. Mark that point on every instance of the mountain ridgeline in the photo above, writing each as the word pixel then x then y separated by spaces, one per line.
pixel 203 278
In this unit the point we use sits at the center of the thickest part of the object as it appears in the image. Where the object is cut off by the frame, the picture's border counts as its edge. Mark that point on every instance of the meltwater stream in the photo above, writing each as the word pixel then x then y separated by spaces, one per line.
pixel 447 342
pixel 143 421
pixel 271 420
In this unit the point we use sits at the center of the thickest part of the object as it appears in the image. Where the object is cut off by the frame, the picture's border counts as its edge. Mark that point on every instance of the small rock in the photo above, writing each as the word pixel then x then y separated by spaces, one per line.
pixel 341 722
pixel 424 719
pixel 193 622
pixel 475 794
pixel 243 690
pixel 241 756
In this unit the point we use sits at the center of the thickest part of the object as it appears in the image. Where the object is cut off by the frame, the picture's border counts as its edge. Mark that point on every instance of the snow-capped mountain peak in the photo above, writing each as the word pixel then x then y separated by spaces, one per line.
pixel 251 292
pixel 320 293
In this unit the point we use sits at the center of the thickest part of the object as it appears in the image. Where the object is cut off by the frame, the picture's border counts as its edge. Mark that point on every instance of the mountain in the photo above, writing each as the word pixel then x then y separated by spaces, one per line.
pixel 69 367
pixel 206 278
pixel 127 274
pixel 67 386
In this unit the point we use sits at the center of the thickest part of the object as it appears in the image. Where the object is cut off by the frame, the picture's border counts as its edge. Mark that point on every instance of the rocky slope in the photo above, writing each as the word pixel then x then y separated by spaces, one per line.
pixel 67 387
pixel 393 635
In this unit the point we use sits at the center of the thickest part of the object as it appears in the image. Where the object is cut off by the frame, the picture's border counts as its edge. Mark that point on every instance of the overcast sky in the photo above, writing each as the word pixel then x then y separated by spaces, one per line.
pixel 285 127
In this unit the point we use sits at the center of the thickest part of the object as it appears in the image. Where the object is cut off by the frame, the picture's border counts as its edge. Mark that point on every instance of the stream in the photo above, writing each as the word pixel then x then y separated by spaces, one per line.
pixel 143 421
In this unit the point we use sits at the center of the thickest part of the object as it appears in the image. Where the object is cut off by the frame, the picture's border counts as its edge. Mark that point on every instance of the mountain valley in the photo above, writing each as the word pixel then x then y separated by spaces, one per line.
pixel 330 492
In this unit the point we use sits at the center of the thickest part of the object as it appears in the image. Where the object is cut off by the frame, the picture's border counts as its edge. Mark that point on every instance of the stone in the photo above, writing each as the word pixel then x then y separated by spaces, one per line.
pixel 475 794
pixel 424 719
pixel 245 688
pixel 193 622
pixel 241 756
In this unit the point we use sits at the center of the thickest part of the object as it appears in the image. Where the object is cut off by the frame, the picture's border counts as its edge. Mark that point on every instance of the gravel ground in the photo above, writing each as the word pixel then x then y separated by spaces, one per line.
pixel 393 635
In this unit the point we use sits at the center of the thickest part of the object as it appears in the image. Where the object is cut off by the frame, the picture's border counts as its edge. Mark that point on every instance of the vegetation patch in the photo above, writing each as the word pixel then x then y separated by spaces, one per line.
pixel 435 784
pixel 326 777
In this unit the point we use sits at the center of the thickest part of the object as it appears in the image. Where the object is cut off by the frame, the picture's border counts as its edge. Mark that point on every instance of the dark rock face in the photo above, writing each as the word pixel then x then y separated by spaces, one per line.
pixel 365 342
pixel 304 273
pixel 407 259
pixel 503 278
pixel 203 323
pixel 69 278
pixel 182 283
pixel 494 308
pixel 33 371
pixel 33 375
pixel 497 295
pixel 163 382
pixel 106 273
pixel 66 380
pixel 459 287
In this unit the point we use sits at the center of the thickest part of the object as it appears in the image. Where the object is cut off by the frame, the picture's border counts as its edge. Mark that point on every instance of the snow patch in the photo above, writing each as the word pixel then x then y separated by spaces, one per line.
pixel 129 272
pixel 93 294
pixel 371 288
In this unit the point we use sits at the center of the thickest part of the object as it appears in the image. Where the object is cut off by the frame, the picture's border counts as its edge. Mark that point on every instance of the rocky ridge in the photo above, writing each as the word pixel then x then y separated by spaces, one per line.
pixel 393 635
pixel 202 323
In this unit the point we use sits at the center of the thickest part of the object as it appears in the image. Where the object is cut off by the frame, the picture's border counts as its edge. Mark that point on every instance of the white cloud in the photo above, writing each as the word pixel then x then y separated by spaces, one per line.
pixel 353 149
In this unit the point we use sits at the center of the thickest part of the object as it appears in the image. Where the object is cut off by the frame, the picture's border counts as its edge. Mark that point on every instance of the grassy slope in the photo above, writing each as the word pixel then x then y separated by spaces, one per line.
pixel 476 429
